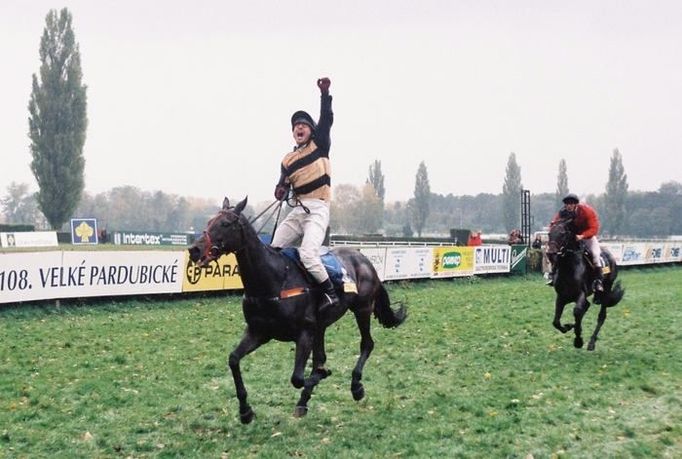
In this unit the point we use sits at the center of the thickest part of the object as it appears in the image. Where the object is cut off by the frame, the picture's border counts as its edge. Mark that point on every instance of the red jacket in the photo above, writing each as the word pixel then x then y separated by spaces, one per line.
pixel 586 221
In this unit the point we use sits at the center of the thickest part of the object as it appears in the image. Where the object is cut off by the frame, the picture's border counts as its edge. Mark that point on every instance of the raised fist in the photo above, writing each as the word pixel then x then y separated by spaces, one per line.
pixel 324 83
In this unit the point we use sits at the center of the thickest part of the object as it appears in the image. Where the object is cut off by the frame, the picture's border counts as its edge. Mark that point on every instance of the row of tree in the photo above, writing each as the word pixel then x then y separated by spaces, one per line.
pixel 361 209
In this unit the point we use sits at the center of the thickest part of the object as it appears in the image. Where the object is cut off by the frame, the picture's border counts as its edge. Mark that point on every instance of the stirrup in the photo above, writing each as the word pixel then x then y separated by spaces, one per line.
pixel 328 301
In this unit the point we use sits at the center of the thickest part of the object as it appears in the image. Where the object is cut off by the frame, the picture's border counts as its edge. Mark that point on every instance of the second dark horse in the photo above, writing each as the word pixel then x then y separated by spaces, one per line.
pixel 280 303
pixel 573 281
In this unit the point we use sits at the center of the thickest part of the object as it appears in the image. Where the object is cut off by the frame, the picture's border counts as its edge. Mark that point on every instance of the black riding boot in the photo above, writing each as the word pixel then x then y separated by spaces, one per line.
pixel 598 284
pixel 329 297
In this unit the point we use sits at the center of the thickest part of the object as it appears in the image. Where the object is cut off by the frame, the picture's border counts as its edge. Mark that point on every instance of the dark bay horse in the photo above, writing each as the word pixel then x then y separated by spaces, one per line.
pixel 280 303
pixel 574 278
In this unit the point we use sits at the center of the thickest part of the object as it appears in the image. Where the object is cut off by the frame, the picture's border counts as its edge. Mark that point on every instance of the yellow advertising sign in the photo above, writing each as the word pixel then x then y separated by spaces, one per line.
pixel 222 274
pixel 453 261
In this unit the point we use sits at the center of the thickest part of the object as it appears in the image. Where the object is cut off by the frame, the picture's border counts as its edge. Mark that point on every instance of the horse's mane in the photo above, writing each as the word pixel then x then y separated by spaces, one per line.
pixel 248 224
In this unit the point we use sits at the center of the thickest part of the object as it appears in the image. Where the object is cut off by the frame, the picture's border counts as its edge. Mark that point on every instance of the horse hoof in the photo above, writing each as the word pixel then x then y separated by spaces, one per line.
pixel 590 346
pixel 300 411
pixel 358 392
pixel 247 417
pixel 578 342
pixel 323 372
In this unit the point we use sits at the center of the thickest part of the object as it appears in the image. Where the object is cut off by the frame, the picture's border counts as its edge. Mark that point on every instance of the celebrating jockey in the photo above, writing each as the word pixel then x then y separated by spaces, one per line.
pixel 586 224
pixel 306 171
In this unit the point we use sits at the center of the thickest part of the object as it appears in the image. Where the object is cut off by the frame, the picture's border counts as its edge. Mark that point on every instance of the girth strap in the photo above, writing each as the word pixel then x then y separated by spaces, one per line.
pixel 283 295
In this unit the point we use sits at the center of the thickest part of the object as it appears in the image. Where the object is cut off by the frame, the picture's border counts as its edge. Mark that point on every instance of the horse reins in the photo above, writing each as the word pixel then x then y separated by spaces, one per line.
pixel 212 251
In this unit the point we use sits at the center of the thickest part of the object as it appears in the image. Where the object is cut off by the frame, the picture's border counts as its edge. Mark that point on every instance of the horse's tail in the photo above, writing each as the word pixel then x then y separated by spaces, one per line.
pixel 613 296
pixel 385 314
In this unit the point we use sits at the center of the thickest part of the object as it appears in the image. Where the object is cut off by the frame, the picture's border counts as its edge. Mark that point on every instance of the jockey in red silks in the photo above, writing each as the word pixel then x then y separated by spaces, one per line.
pixel 586 224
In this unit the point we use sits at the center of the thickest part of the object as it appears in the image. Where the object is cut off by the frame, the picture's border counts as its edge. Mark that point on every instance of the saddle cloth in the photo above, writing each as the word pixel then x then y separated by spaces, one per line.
pixel 337 273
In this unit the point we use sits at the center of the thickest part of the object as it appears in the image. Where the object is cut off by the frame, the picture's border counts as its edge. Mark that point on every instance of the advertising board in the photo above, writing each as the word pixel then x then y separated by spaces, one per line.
pixel 149 238
pixel 377 256
pixel 222 274
pixel 84 231
pixel 49 275
pixel 452 261
pixel 408 262
pixel 492 259
pixel 29 239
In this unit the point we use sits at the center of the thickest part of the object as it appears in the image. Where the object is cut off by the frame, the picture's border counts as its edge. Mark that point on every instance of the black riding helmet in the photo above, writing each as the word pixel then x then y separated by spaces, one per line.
pixel 302 117
pixel 571 198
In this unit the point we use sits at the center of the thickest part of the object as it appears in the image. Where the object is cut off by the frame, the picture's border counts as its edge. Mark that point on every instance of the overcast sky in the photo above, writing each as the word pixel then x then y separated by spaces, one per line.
pixel 194 98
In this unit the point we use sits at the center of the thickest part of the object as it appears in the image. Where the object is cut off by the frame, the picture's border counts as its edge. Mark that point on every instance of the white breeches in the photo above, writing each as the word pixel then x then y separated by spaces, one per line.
pixel 307 231
pixel 592 245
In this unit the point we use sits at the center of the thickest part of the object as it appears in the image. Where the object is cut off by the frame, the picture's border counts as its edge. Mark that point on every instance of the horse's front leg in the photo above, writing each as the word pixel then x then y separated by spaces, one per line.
pixel 559 304
pixel 248 344
pixel 581 307
pixel 600 322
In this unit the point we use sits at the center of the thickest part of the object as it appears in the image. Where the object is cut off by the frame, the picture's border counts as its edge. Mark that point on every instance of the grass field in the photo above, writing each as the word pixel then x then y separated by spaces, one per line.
pixel 477 370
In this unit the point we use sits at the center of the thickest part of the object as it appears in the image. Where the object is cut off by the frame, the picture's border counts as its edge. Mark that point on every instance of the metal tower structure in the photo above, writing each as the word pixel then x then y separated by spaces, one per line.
pixel 525 216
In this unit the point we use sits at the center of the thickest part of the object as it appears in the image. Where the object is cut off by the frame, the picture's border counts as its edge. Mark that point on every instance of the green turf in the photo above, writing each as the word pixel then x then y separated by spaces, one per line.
pixel 477 370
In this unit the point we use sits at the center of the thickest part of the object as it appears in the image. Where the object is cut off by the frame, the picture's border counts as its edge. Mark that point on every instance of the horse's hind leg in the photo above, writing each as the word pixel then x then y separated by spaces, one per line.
pixel 581 307
pixel 319 354
pixel 304 346
pixel 362 317
pixel 248 344
pixel 317 374
pixel 600 322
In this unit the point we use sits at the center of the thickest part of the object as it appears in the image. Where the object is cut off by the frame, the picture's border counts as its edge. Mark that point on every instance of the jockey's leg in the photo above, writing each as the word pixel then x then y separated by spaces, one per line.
pixel 314 229
pixel 289 232
pixel 592 245
pixel 551 274
pixel 552 261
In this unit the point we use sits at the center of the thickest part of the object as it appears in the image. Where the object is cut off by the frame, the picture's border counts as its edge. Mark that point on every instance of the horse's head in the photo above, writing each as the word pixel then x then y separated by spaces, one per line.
pixel 561 238
pixel 224 233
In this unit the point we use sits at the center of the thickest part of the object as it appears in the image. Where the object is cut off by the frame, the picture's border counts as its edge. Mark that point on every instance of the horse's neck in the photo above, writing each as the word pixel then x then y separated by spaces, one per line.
pixel 571 261
pixel 260 268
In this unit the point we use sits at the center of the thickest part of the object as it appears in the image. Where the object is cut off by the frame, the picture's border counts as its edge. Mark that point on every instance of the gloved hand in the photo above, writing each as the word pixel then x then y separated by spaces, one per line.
pixel 324 83
pixel 281 192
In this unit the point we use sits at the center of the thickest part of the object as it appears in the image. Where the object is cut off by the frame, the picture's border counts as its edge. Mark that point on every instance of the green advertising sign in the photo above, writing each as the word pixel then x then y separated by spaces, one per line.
pixel 519 259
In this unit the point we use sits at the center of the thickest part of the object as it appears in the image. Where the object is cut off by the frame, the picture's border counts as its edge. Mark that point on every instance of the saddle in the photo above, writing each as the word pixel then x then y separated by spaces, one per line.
pixel 587 256
pixel 337 272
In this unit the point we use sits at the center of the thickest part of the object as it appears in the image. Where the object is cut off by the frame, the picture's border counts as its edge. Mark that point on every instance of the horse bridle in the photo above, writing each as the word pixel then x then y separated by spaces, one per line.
pixel 213 251
pixel 561 250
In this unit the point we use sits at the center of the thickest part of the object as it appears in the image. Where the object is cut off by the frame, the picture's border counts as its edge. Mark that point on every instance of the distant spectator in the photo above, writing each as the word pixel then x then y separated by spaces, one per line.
pixel 537 243
pixel 103 237
pixel 474 238
pixel 515 237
